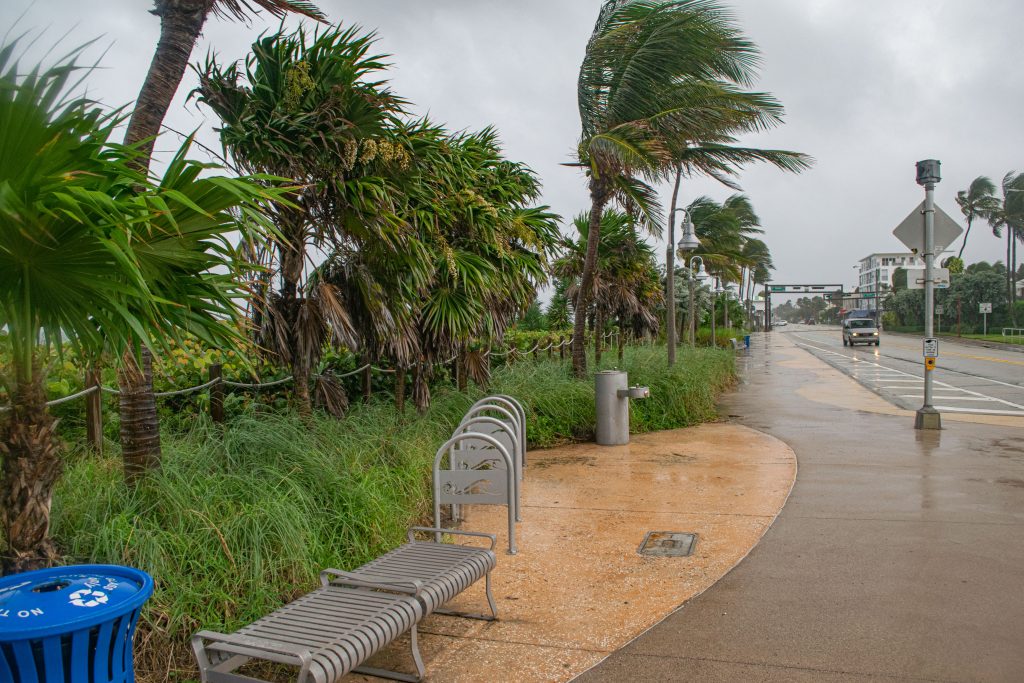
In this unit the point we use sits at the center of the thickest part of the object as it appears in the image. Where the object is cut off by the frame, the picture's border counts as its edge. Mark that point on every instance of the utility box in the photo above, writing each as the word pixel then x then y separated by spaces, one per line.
pixel 612 395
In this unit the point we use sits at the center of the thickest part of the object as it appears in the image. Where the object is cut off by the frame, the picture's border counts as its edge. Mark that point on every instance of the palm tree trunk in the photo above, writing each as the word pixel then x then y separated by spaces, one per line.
pixel 599 197
pixel 1009 283
pixel 140 424
pixel 461 370
pixel 967 233
pixel 31 467
pixel 181 22
pixel 180 25
pixel 400 389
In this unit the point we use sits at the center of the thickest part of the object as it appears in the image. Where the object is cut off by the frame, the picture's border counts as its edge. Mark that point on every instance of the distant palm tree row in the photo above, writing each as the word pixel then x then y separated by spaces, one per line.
pixel 1004 214
pixel 627 287
pixel 662 94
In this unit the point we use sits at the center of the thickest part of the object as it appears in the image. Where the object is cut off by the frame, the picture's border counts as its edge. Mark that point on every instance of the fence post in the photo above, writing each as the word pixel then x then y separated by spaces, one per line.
pixel 561 348
pixel 535 351
pixel 94 411
pixel 551 347
pixel 217 392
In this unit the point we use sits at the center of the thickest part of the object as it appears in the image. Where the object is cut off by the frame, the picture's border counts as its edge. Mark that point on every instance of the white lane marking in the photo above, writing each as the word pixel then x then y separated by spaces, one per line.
pixel 951 409
pixel 965 374
pixel 1019 409
pixel 951 398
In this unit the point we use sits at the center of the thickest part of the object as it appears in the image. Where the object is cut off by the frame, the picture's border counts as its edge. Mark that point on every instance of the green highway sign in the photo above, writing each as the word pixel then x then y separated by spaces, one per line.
pixel 778 289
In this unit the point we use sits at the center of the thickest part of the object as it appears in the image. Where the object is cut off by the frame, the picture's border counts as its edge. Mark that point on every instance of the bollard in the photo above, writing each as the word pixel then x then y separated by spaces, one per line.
pixel 612 411
pixel 612 394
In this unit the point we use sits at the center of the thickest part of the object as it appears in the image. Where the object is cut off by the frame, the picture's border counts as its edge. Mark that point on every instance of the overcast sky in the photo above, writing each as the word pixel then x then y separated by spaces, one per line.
pixel 870 87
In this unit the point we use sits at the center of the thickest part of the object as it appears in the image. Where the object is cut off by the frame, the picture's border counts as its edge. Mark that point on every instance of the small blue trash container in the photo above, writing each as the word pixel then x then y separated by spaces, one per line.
pixel 71 624
pixel 746 340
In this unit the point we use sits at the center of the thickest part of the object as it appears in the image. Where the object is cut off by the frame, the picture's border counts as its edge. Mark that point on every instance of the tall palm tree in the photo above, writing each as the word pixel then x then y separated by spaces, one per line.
pixel 181 23
pixel 977 201
pixel 656 76
pixel 94 253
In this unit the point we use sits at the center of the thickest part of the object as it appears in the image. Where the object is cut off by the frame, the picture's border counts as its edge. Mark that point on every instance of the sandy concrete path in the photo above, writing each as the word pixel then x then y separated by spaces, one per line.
pixel 578 589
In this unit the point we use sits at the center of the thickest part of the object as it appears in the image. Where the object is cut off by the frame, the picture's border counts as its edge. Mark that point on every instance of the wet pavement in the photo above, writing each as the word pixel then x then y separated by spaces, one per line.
pixel 578 589
pixel 898 557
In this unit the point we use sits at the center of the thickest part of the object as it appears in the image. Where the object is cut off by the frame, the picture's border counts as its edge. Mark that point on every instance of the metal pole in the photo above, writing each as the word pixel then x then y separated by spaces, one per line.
pixel 691 314
pixel 927 417
pixel 714 296
pixel 670 290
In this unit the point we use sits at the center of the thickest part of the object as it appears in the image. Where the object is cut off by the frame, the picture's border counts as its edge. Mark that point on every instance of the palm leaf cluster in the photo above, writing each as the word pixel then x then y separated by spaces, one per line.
pixel 407 242
pixel 626 287
pixel 96 252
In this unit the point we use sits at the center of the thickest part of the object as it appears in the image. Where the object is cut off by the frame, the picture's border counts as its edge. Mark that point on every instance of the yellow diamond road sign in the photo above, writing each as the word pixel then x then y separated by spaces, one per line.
pixel 911 230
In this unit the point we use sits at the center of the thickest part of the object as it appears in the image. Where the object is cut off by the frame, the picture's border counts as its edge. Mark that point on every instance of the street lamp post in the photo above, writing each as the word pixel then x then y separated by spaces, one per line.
pixel 701 276
pixel 688 242
pixel 714 300
pixel 928 175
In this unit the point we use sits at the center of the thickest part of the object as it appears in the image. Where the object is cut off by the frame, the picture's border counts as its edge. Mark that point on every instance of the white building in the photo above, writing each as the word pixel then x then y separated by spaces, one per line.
pixel 876 270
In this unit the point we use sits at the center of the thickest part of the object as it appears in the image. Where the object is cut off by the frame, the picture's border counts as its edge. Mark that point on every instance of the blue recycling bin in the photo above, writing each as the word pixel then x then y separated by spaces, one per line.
pixel 71 624
pixel 746 340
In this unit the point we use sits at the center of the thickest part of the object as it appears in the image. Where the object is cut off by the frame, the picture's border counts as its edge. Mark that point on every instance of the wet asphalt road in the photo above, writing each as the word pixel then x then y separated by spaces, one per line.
pixel 899 556
pixel 969 379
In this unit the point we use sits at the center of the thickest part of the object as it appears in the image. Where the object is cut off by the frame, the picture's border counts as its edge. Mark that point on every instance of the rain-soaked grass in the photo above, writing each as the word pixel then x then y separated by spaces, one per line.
pixel 241 517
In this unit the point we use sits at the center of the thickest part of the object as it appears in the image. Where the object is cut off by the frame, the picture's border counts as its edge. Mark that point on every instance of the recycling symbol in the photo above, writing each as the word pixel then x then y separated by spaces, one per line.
pixel 88 598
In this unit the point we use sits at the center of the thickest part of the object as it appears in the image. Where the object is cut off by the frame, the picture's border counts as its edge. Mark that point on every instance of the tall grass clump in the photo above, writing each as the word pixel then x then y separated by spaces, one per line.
pixel 242 516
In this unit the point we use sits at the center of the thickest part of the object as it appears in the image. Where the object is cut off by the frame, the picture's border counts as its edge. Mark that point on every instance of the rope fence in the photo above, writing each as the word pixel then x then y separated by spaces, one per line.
pixel 219 380
pixel 216 384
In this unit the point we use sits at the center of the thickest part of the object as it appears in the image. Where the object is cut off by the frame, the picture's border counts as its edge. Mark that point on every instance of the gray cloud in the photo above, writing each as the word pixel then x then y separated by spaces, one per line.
pixel 870 87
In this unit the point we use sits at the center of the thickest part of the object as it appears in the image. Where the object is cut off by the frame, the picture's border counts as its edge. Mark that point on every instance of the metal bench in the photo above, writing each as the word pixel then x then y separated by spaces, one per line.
pixel 443 570
pixel 326 634
pixel 333 630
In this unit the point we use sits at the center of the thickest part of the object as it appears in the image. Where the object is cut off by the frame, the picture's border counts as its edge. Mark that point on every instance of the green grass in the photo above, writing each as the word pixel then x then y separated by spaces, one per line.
pixel 240 518
pixel 995 338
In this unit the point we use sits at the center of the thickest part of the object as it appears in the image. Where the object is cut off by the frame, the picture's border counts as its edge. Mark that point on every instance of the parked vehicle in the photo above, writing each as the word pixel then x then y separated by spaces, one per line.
pixel 860 331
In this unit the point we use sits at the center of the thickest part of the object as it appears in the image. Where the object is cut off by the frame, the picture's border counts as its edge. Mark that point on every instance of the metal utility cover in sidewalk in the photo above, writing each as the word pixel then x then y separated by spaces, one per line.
pixel 668 544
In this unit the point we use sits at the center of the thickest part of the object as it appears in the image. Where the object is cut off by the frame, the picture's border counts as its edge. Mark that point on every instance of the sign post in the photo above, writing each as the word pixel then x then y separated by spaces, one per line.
pixel 985 309
pixel 928 175
pixel 939 310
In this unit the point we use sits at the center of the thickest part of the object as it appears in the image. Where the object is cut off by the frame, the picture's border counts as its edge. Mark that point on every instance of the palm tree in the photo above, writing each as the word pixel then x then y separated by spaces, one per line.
pixel 1008 215
pixel 309 108
pixel 977 201
pixel 181 22
pixel 756 259
pixel 94 253
pixel 656 77
pixel 626 285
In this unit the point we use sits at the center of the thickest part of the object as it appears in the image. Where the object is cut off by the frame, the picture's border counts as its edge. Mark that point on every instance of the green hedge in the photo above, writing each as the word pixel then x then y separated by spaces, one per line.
pixel 241 517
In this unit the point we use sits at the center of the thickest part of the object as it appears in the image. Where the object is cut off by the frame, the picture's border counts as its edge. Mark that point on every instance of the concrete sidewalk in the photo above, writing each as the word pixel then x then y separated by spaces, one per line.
pixel 899 556
pixel 578 590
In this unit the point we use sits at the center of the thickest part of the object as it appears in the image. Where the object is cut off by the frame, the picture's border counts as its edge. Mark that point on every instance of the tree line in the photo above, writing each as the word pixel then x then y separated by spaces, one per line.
pixel 336 218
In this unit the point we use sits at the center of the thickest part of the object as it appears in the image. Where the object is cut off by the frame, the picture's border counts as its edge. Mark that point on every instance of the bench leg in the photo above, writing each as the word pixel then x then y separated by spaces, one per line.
pixel 468 615
pixel 398 675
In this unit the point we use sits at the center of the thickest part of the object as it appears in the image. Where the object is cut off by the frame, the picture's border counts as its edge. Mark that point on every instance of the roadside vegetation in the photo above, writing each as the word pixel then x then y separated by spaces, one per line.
pixel 242 516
